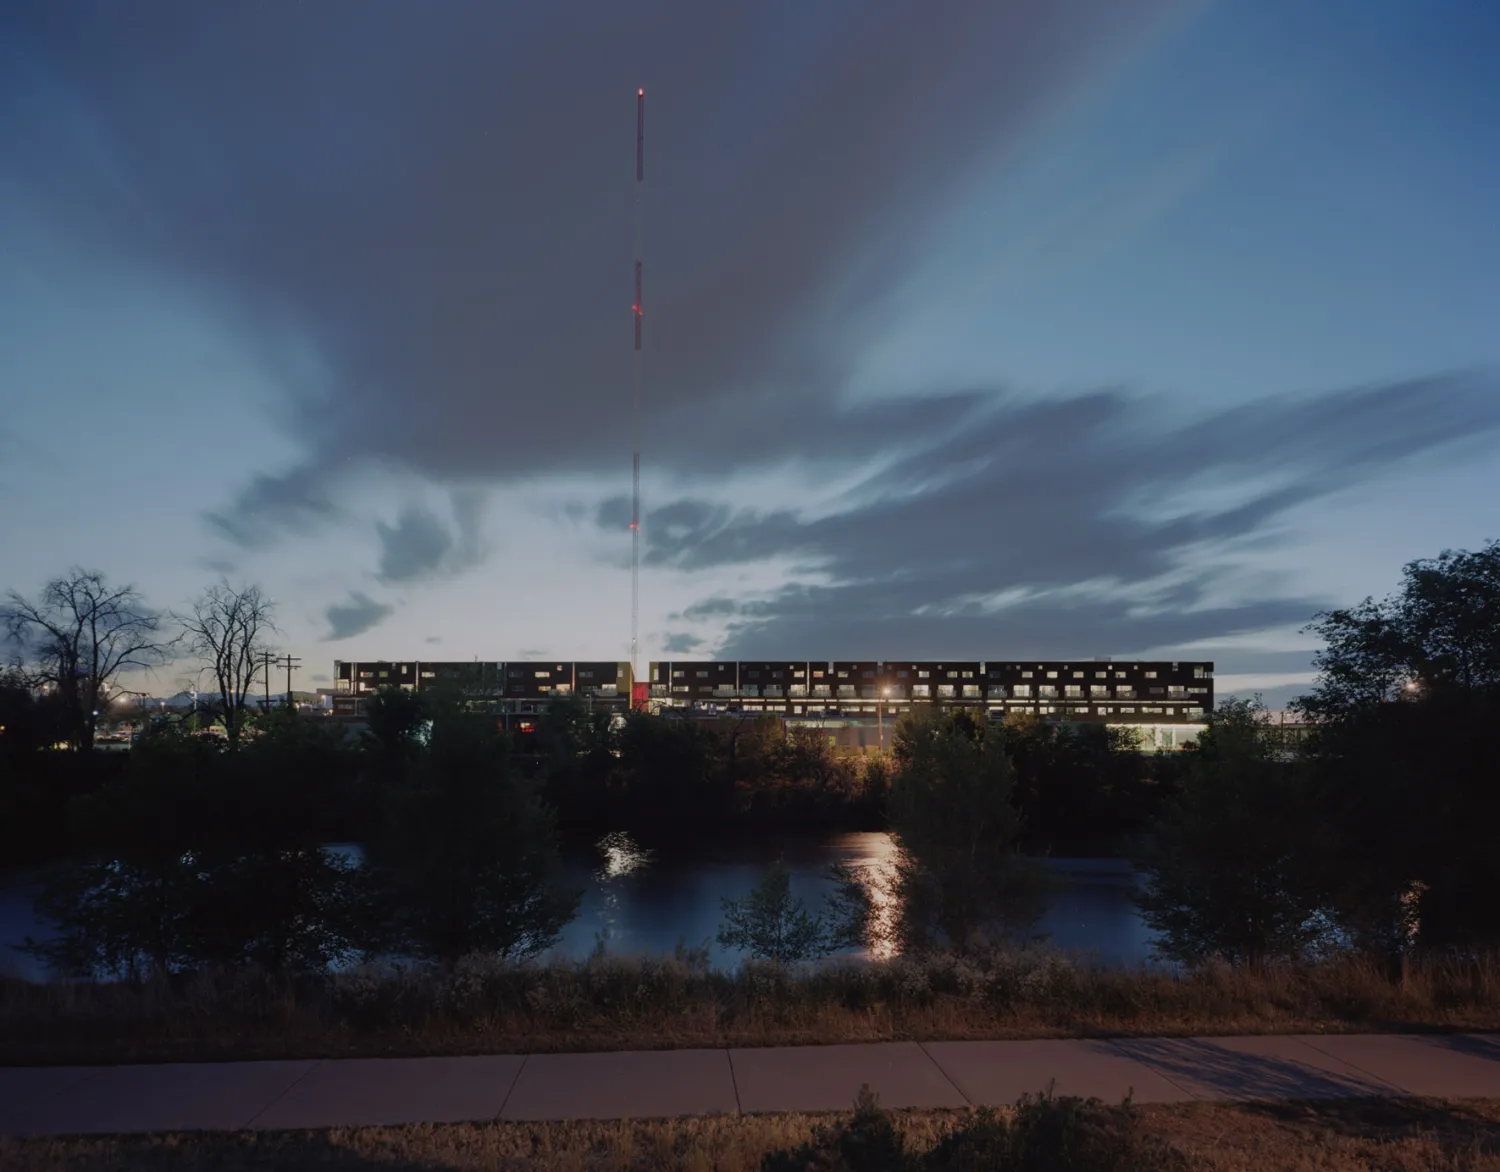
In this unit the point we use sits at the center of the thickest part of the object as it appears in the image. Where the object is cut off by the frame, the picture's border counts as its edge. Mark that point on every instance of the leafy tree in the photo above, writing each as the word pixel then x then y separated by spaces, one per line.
pixel 1225 874
pixel 81 632
pixel 959 874
pixel 1408 696
pixel 125 907
pixel 226 629
pixel 574 748
pixel 1438 635
pixel 31 718
pixel 1079 787
pixel 395 723
pixel 466 855
pixel 198 856
pixel 772 924
pixel 670 772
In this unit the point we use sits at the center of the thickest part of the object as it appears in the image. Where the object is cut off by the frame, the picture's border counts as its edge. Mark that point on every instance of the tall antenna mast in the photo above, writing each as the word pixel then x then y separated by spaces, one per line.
pixel 635 403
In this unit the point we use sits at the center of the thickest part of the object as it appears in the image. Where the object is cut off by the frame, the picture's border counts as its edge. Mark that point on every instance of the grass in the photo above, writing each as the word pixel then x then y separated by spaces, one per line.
pixel 1332 1136
pixel 613 1003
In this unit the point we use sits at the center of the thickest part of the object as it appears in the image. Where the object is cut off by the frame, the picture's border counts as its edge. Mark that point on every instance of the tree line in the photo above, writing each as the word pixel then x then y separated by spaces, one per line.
pixel 1377 835
pixel 72 641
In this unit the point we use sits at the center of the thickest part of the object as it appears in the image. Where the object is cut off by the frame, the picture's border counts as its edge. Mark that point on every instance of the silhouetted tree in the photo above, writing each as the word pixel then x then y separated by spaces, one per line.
pixel 1079 787
pixel 959 873
pixel 1225 872
pixel 467 853
pixel 225 628
pixel 199 856
pixel 1408 696
pixel 770 923
pixel 396 722
pixel 79 634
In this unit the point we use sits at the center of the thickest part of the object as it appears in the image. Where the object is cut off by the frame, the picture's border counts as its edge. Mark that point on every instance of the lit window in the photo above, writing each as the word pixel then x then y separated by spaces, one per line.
pixel 922 675
pixel 1022 690
pixel 1119 675
pixel 1150 675
pixel 677 675
pixel 1078 675
pixel 1025 675
pixel 703 675
pixel 1101 675
pixel 1074 690
pixel 544 674
pixel 1052 675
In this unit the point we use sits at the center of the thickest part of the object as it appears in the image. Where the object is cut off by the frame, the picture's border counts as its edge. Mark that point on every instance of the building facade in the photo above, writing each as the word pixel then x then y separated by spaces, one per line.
pixel 1113 692
pixel 513 688
pixel 1134 692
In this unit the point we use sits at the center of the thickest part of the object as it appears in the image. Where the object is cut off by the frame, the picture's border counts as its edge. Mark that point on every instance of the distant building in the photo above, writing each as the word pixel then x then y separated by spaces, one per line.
pixel 514 689
pixel 1147 694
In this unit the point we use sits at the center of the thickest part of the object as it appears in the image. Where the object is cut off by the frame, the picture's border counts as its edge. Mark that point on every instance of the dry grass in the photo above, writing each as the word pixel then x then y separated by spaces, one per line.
pixel 670 1002
pixel 1393 1135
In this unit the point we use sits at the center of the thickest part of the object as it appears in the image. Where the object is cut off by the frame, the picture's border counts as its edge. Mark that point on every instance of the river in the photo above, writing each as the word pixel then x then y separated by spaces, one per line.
pixel 638 901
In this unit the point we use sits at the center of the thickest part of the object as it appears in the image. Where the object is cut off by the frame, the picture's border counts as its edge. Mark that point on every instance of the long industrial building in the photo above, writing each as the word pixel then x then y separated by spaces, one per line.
pixel 1096 690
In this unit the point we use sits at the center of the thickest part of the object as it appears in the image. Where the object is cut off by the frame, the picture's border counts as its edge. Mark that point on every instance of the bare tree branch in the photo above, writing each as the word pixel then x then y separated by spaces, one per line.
pixel 79 634
pixel 226 629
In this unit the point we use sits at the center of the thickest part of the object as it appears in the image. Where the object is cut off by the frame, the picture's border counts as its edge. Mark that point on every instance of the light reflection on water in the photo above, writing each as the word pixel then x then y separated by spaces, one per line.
pixel 637 901
pixel 677 899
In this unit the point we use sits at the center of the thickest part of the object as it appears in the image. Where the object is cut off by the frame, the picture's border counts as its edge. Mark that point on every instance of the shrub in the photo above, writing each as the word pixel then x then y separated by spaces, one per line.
pixel 866 1142
pixel 772 924
pixel 1044 1133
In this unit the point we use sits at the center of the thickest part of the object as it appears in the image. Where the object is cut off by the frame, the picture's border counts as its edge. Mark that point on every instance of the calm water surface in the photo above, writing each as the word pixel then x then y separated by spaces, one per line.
pixel 643 902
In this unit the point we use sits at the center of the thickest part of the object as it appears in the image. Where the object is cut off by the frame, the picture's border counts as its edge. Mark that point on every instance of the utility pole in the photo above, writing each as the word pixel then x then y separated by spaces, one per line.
pixel 288 661
pixel 266 659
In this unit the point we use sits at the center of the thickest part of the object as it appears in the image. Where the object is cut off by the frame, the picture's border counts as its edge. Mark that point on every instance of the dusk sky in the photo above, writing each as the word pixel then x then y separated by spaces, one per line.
pixel 980 330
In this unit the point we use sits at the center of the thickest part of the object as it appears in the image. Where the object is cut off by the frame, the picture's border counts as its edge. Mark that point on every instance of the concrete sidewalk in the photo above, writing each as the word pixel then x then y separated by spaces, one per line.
pixel 362 1091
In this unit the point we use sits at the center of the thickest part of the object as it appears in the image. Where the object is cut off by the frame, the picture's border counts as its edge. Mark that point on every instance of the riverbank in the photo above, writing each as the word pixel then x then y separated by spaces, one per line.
pixel 1415 1135
pixel 653 1003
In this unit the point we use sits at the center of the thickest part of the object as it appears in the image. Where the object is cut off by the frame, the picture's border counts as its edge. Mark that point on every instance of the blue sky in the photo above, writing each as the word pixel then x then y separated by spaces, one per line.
pixel 984 329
